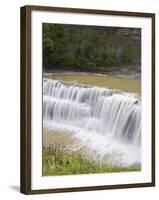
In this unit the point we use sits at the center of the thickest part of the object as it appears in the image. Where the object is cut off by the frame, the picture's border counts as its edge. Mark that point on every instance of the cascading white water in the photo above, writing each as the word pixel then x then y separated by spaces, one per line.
pixel 105 120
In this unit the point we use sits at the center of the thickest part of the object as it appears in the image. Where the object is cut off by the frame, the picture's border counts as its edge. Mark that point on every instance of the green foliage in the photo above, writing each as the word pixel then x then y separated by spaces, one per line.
pixel 57 161
pixel 130 53
pixel 85 48
pixel 54 43
pixel 110 59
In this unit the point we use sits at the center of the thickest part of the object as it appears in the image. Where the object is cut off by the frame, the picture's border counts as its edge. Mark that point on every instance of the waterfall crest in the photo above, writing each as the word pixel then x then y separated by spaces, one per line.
pixel 111 113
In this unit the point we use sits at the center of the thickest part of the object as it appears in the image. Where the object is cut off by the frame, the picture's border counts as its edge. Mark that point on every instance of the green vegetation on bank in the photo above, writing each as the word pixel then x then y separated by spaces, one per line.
pixel 57 161
pixel 87 48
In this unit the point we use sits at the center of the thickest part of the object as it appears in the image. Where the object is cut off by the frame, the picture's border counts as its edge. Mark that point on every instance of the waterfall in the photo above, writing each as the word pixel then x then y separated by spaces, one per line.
pixel 111 114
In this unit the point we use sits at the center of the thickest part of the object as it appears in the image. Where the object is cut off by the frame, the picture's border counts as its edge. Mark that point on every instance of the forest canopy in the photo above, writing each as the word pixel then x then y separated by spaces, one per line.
pixel 90 48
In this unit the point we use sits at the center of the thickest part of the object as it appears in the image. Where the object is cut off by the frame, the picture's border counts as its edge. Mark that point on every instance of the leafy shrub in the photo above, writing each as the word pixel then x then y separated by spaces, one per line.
pixel 130 53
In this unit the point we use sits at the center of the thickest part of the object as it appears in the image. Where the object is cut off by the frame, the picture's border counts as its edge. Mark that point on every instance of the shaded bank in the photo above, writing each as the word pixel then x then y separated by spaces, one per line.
pixel 91 48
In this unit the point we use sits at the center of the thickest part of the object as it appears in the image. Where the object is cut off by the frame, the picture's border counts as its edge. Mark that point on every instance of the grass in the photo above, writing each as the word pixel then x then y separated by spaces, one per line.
pixel 58 161
pixel 125 84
